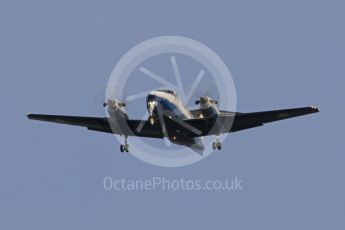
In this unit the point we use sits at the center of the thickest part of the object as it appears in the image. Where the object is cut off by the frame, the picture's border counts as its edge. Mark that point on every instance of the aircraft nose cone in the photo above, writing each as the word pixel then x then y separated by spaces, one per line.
pixel 203 100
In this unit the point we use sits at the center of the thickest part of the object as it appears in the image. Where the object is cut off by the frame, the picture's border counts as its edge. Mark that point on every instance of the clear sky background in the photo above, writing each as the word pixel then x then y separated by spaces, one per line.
pixel 56 56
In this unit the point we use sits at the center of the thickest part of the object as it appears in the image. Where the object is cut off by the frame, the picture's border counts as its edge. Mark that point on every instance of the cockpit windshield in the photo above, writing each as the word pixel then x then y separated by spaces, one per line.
pixel 168 91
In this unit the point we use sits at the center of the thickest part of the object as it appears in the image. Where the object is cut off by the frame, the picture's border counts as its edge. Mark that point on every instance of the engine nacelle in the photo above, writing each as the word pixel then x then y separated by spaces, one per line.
pixel 117 116
pixel 208 106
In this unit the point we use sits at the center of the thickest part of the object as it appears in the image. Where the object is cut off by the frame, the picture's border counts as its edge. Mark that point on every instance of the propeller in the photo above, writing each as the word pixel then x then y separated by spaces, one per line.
pixel 206 99
pixel 125 98
pixel 113 98
pixel 121 104
pixel 206 91
pixel 161 115
pixel 98 100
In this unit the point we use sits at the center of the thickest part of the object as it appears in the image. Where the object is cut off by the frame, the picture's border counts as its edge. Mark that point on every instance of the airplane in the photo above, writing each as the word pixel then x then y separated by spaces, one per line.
pixel 169 117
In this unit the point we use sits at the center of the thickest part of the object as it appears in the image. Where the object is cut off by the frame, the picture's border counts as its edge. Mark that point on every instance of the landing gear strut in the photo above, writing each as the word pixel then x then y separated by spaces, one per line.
pixel 125 147
pixel 151 120
pixel 217 144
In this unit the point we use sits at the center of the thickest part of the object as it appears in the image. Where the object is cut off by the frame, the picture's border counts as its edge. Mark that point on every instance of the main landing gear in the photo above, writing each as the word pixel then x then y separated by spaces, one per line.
pixel 217 144
pixel 125 147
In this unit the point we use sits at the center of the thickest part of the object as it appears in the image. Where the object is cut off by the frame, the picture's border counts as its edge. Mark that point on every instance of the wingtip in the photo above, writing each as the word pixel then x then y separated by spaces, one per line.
pixel 29 115
pixel 315 108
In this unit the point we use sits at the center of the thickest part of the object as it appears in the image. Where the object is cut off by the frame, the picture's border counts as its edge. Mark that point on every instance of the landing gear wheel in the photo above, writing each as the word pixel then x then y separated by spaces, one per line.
pixel 214 145
pixel 219 146
pixel 125 147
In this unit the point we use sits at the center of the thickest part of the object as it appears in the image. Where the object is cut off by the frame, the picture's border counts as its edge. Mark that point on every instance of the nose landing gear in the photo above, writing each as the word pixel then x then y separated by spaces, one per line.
pixel 125 147
pixel 151 107
pixel 151 120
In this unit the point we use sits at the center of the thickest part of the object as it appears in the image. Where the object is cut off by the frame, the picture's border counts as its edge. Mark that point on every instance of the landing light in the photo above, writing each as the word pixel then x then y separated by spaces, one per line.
pixel 152 103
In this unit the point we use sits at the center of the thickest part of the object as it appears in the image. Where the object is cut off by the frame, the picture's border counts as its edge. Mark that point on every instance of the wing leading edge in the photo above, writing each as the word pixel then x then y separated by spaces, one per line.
pixel 244 121
pixel 92 123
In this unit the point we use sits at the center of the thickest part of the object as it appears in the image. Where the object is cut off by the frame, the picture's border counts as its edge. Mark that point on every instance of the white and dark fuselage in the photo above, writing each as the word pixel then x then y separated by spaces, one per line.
pixel 162 105
pixel 166 102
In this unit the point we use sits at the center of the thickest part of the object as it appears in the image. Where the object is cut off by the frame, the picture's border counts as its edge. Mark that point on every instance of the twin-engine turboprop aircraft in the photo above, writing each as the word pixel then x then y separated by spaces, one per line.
pixel 169 117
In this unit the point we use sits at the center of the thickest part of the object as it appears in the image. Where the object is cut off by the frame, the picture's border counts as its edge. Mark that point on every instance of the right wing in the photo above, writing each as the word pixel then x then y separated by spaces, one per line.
pixel 244 121
pixel 241 121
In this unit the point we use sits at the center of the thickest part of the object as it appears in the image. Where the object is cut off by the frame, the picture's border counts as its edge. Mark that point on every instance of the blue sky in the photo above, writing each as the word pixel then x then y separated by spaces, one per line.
pixel 56 56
